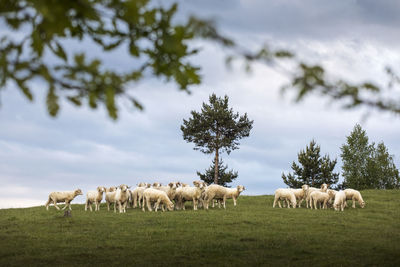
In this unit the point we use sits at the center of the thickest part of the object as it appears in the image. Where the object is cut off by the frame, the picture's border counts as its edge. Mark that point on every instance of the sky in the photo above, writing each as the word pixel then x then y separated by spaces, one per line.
pixel 84 148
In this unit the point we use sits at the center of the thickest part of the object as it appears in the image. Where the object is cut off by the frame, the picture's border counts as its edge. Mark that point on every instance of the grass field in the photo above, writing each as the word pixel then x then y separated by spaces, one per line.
pixel 251 234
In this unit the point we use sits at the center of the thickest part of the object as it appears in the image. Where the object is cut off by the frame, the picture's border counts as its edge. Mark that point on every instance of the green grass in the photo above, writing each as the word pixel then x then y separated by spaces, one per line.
pixel 251 234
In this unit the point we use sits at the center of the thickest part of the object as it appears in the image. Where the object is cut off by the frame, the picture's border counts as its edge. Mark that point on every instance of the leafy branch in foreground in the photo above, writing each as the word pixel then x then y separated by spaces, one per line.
pixel 154 43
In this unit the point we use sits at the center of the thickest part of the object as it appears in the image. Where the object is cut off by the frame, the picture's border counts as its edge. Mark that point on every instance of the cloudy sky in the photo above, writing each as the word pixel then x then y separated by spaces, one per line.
pixel 83 148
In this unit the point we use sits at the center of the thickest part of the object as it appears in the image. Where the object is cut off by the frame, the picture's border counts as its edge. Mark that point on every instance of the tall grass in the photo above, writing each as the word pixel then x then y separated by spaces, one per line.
pixel 251 234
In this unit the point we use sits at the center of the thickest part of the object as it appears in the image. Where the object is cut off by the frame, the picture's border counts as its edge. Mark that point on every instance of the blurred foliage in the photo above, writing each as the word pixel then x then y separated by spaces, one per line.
pixel 156 45
pixel 40 29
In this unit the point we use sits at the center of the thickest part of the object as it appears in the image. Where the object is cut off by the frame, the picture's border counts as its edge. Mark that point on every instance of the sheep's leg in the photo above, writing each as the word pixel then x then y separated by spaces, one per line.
pixel 157 205
pixel 213 203
pixel 90 206
pixel 134 205
pixel 224 201
pixel 301 201
pixel 108 206
pixel 86 205
pixel 234 201
pixel 48 203
pixel 194 204
pixel 273 205
pixel 148 204
pixel 115 207
pixel 354 202
pixel 143 209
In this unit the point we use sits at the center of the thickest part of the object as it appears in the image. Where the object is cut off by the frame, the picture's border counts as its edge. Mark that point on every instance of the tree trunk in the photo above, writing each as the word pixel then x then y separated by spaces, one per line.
pixel 216 166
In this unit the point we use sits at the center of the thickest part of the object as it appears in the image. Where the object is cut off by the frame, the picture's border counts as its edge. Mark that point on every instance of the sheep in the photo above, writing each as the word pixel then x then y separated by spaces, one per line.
pixel 300 195
pixel 222 193
pixel 170 189
pixel 122 198
pixel 354 195
pixel 284 194
pixel 158 196
pixel 189 193
pixel 94 197
pixel 332 199
pixel 137 194
pixel 340 200
pixel 308 190
pixel 65 196
pixel 110 197
pixel 320 197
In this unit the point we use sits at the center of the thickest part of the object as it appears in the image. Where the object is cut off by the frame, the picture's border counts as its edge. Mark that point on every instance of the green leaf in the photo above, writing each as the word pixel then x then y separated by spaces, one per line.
pixel 52 102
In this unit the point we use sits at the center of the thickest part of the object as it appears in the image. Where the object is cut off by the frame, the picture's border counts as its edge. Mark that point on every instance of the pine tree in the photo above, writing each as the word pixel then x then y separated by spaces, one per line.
pixel 224 177
pixel 216 129
pixel 313 170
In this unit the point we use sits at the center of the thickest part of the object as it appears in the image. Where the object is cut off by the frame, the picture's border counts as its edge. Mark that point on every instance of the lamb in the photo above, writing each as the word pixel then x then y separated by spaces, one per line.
pixel 308 190
pixel 320 197
pixel 158 196
pixel 284 194
pixel 222 193
pixel 189 193
pixel 156 185
pixel 65 196
pixel 122 198
pixel 110 197
pixel 340 200
pixel 170 189
pixel 94 197
pixel 354 195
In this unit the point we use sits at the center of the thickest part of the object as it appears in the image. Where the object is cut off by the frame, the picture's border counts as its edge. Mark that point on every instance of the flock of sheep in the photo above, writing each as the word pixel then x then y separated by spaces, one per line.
pixel 317 196
pixel 174 195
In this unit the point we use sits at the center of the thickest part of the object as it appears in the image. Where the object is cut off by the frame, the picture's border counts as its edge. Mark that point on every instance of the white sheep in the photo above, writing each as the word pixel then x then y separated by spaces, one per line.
pixel 189 193
pixel 300 195
pixel 354 195
pixel 94 197
pixel 159 197
pixel 340 201
pixel 320 197
pixel 308 190
pixel 122 197
pixel 110 197
pixel 170 189
pixel 219 193
pixel 284 194
pixel 137 194
pixel 64 196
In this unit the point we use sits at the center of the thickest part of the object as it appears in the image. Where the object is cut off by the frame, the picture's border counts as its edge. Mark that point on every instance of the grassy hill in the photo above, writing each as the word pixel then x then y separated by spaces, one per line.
pixel 251 234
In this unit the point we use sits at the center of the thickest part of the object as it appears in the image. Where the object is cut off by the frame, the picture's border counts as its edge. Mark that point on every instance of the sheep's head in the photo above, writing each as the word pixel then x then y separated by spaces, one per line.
pixel 100 189
pixel 123 187
pixel 170 206
pixel 112 189
pixel 78 192
pixel 305 187
pixel 148 185
pixel 324 187
pixel 156 184
pixel 362 204
pixel 240 188
pixel 331 193
pixel 141 184
pixel 172 185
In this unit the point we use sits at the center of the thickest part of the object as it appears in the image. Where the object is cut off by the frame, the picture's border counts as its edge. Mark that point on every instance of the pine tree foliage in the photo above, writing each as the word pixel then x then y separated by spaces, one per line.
pixel 224 177
pixel 216 128
pixel 366 166
pixel 312 169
